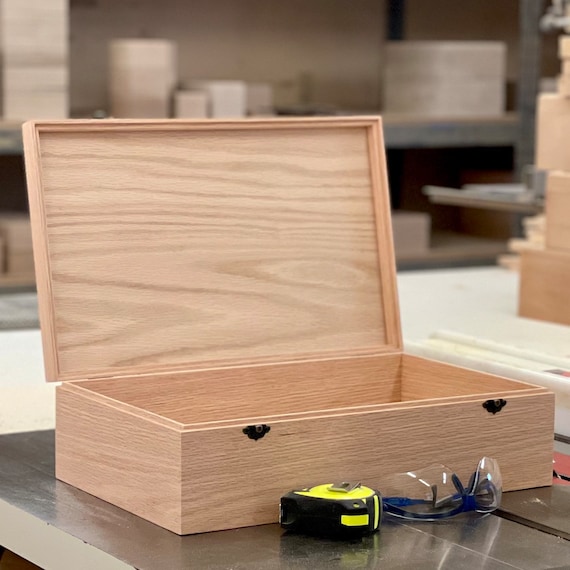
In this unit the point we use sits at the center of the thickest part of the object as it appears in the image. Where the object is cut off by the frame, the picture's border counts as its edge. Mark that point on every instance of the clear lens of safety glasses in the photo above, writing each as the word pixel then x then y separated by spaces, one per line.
pixel 436 492
pixel 487 486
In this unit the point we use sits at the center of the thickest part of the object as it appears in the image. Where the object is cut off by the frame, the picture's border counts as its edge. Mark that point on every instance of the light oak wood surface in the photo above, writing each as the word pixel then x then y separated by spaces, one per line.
pixel 137 459
pixel 203 277
pixel 553 123
pixel 557 230
pixel 423 379
pixel 120 457
pixel 264 390
pixel 34 45
pixel 544 282
pixel 174 244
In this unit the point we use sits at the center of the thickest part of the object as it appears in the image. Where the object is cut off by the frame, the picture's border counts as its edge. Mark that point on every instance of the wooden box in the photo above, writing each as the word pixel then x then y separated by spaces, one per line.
pixel 202 282
pixel 445 78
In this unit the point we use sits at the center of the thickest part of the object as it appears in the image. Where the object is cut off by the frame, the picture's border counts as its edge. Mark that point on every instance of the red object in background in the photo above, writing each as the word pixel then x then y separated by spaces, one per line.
pixel 562 466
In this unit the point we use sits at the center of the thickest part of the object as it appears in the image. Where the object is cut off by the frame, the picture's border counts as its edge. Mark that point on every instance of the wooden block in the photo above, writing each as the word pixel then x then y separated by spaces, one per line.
pixel 564 47
pixel 34 33
pixel 259 99
pixel 411 232
pixel 565 67
pixel 39 92
pixel 191 104
pixel 544 282
pixel 518 244
pixel 445 78
pixel 142 77
pixel 557 234
pixel 552 128
pixel 228 99
pixel 35 51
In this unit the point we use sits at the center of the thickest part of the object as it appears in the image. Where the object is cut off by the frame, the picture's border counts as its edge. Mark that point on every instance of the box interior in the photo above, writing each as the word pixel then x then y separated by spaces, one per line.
pixel 220 395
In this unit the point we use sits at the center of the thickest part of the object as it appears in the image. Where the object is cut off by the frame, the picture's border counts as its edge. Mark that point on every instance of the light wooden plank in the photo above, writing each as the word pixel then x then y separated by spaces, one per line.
pixel 34 45
pixel 265 390
pixel 142 77
pixel 552 126
pixel 544 282
pixel 423 378
pixel 41 249
pixel 557 234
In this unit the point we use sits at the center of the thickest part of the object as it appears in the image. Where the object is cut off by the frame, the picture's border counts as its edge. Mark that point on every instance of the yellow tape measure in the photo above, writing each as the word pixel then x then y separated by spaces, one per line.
pixel 333 508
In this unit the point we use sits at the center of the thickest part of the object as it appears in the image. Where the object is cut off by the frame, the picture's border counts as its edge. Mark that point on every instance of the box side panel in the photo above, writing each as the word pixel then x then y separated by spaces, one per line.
pixel 229 480
pixel 253 391
pixel 423 379
pixel 544 286
pixel 118 457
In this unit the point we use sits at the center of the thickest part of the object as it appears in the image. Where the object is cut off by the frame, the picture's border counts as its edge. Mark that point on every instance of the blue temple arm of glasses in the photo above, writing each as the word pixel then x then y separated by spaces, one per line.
pixel 404 501
pixel 397 511
pixel 407 502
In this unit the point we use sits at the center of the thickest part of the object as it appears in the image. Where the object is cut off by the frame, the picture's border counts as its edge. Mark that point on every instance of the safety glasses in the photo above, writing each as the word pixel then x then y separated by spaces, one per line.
pixel 436 492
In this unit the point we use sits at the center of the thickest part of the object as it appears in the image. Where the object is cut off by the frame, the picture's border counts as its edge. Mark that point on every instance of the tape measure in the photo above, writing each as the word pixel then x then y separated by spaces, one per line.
pixel 334 508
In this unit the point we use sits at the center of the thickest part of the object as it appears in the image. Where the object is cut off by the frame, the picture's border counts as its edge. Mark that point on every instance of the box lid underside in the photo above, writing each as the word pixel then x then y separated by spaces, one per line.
pixel 167 246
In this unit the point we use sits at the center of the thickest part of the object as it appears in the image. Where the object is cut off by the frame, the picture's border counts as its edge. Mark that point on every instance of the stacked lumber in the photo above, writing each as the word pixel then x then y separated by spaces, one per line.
pixel 35 49
pixel 445 79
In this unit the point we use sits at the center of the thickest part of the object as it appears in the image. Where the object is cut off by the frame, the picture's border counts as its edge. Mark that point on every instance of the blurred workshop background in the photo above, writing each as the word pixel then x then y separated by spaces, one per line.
pixel 456 85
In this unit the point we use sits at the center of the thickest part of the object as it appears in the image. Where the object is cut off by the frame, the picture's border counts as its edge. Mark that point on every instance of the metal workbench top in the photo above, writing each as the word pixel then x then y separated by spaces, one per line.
pixel 59 527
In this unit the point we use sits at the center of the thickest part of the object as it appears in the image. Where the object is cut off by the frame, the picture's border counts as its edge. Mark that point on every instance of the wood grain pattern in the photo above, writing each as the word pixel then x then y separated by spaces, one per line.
pixel 423 378
pixel 363 447
pixel 35 76
pixel 119 457
pixel 40 248
pixel 133 462
pixel 172 244
pixel 255 391
pixel 557 230
pixel 543 292
pixel 552 125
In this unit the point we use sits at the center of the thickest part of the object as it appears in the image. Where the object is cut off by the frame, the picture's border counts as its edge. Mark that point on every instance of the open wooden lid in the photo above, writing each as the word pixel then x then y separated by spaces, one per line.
pixel 177 245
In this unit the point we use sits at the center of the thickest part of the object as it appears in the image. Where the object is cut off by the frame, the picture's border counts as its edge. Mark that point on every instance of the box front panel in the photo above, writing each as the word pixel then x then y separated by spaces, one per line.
pixel 229 480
